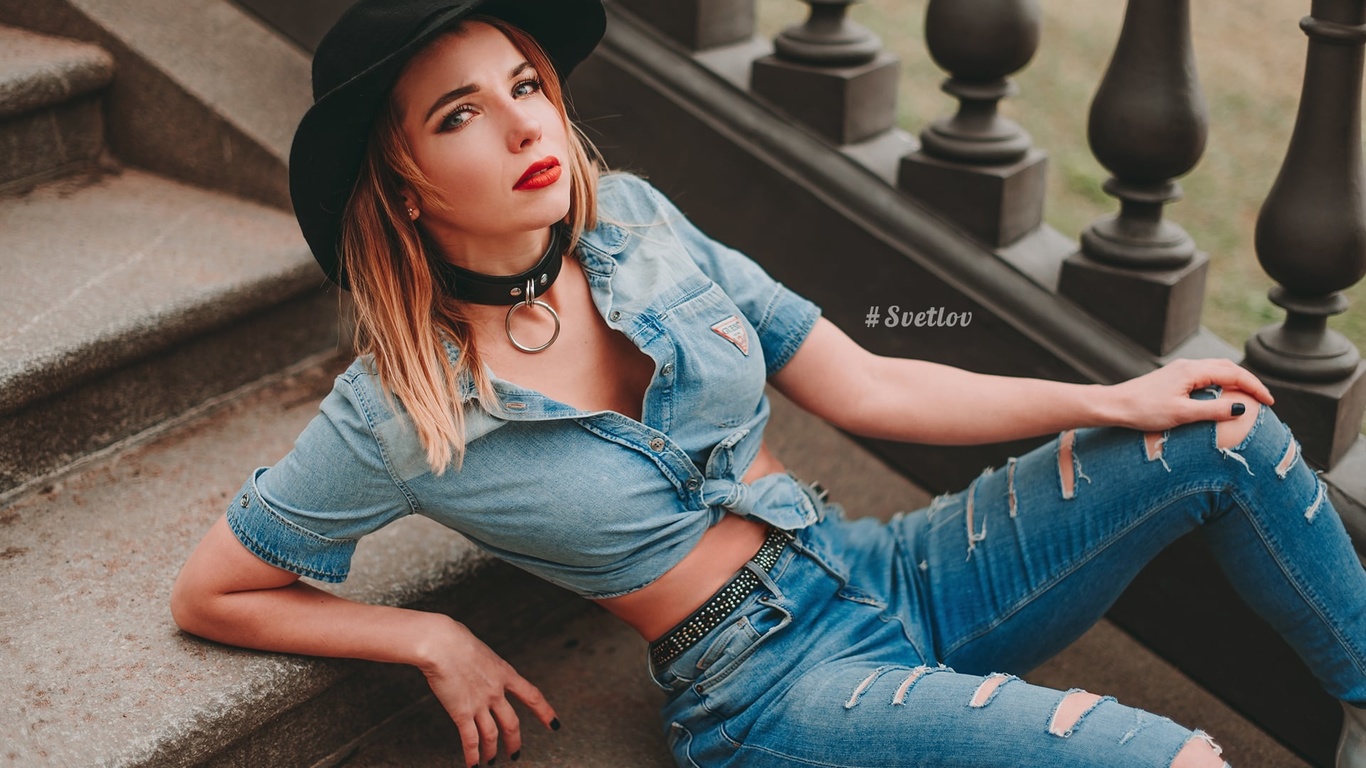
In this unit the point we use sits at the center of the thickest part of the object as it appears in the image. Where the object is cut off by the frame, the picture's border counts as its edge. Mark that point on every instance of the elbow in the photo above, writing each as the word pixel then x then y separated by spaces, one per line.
pixel 189 607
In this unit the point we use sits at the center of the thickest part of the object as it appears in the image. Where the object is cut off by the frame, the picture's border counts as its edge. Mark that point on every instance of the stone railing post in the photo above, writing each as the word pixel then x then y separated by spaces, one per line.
pixel 697 25
pixel 831 75
pixel 978 168
pixel 1137 271
pixel 1311 239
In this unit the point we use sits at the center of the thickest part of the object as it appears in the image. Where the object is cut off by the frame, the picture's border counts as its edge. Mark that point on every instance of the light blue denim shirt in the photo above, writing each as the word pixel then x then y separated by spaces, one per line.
pixel 595 501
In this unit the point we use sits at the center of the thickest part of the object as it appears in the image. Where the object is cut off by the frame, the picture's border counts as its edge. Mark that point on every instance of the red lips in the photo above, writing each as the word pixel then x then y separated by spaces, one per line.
pixel 542 173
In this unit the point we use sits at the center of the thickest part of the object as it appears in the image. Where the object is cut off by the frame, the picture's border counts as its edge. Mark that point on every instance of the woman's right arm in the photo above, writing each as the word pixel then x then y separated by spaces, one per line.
pixel 227 594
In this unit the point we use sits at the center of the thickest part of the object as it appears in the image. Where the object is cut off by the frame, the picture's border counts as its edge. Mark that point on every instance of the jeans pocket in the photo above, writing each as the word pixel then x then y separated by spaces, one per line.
pixel 738 642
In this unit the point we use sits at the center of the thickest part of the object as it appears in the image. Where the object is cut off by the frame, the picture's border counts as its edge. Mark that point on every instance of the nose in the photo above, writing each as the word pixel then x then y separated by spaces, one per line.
pixel 524 128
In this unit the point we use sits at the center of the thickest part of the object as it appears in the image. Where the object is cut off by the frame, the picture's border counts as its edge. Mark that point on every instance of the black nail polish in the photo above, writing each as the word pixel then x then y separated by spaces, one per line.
pixel 1238 409
pixel 492 760
pixel 555 724
pixel 516 755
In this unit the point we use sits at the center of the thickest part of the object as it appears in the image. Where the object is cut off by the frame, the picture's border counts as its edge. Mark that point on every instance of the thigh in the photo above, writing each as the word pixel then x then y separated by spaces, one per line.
pixel 859 714
pixel 1029 556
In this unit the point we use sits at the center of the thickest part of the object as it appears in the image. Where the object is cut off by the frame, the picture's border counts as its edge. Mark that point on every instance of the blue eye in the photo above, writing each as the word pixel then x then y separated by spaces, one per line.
pixel 457 118
pixel 526 88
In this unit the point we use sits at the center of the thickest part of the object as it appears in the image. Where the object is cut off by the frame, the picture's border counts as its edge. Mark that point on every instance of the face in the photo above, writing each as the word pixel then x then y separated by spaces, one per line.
pixel 485 135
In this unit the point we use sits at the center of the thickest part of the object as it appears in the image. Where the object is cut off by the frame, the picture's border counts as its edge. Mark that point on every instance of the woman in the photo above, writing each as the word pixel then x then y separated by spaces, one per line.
pixel 568 372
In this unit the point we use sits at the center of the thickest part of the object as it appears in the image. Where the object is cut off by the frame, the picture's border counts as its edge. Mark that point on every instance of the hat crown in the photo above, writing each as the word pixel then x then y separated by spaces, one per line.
pixel 369 32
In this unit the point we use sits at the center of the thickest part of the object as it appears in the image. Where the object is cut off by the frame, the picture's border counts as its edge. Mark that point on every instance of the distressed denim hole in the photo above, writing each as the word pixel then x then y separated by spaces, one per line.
pixel 1292 453
pixel 1073 706
pixel 987 690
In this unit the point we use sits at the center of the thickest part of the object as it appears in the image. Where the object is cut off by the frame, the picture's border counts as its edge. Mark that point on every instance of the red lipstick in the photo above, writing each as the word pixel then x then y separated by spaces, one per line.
pixel 542 173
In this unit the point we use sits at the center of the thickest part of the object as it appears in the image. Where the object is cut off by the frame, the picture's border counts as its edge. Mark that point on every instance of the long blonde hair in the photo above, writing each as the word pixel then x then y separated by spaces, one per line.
pixel 403 313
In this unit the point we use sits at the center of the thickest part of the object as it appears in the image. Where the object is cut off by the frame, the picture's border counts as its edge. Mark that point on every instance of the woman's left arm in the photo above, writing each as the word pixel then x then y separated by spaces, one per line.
pixel 918 401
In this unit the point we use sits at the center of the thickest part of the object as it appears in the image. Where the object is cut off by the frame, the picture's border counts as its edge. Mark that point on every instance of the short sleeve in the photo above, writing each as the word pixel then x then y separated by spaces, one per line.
pixel 306 513
pixel 782 318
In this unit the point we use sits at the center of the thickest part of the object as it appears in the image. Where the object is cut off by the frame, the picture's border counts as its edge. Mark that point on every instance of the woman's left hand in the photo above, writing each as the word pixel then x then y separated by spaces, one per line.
pixel 1161 399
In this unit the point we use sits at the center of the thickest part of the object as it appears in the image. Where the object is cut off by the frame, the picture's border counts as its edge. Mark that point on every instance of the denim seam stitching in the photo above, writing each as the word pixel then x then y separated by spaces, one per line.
pixel 1114 537
pixel 1293 577
pixel 366 411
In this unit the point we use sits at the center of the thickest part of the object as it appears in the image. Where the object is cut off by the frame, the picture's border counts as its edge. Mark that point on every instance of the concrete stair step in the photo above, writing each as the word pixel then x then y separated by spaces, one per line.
pixel 96 670
pixel 128 300
pixel 50 117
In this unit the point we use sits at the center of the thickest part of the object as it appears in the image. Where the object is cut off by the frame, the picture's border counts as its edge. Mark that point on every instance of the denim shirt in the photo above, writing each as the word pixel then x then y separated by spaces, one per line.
pixel 593 501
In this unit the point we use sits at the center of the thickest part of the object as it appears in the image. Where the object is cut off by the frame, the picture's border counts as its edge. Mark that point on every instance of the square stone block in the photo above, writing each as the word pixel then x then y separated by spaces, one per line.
pixel 997 204
pixel 697 24
pixel 1158 308
pixel 842 104
pixel 1325 417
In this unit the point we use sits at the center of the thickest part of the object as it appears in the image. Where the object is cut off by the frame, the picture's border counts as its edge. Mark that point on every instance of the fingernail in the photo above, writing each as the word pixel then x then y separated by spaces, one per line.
pixel 555 724
pixel 1238 409
pixel 492 760
pixel 517 755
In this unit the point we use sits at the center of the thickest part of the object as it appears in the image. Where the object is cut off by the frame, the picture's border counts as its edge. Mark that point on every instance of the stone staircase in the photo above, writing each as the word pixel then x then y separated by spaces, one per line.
pixel 162 333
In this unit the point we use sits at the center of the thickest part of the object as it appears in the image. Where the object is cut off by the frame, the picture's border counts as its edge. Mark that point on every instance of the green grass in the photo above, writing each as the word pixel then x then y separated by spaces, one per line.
pixel 1250 57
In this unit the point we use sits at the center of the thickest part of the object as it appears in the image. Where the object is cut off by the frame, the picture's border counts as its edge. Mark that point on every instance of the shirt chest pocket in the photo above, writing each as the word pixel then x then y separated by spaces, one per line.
pixel 719 364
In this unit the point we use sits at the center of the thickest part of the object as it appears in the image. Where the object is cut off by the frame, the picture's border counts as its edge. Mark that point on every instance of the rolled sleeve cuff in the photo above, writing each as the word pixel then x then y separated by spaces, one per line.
pixel 284 544
pixel 787 322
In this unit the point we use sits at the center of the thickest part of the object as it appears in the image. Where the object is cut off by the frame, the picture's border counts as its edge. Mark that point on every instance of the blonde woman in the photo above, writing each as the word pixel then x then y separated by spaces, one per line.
pixel 561 367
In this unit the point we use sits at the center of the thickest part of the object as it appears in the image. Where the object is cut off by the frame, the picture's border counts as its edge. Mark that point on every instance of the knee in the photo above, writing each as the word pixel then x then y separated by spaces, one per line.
pixel 1199 752
pixel 1232 432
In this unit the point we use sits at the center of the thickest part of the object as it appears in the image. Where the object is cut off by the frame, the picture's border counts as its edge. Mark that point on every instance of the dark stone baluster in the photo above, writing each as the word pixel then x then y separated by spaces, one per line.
pixel 1311 239
pixel 977 167
pixel 1138 271
pixel 697 25
pixel 831 75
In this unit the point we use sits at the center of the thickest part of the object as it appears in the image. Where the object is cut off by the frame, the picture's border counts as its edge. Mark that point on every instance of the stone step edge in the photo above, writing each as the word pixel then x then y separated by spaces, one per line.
pixel 351 700
pixel 76 68
pixel 205 409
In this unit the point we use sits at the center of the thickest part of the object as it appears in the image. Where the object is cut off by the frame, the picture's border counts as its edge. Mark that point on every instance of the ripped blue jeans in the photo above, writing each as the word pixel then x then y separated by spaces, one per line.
pixel 876 645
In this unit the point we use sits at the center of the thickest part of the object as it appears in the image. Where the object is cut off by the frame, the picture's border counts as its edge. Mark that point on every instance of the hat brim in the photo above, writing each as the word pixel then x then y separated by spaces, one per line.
pixel 329 145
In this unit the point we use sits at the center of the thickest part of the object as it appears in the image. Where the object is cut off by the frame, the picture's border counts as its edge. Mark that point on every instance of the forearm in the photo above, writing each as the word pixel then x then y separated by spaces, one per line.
pixel 924 402
pixel 300 618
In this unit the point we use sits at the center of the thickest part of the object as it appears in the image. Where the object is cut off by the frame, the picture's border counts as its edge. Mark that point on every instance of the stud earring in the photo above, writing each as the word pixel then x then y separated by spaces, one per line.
pixel 412 214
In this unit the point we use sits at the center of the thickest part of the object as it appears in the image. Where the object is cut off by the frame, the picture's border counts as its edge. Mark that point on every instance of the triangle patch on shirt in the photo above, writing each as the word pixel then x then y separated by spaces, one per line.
pixel 732 330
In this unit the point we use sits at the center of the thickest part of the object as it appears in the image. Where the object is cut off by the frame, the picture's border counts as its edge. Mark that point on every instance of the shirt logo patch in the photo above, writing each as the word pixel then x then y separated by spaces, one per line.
pixel 732 330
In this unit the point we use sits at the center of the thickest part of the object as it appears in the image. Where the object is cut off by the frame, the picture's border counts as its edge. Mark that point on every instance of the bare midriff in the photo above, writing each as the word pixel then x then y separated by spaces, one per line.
pixel 722 550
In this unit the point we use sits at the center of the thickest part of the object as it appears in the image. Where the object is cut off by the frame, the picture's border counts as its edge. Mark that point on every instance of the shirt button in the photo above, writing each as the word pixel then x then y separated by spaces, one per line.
pixel 657 444
pixel 694 484
pixel 243 502
pixel 667 369
pixel 615 315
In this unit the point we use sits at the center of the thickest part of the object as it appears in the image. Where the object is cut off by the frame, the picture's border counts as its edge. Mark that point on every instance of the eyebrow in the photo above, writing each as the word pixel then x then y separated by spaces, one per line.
pixel 465 90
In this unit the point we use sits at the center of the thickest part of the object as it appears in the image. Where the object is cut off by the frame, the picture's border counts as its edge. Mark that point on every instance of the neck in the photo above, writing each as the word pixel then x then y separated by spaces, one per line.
pixel 502 255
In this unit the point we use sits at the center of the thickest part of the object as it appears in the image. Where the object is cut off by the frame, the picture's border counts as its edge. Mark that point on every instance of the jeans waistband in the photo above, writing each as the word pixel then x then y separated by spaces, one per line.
pixel 720 605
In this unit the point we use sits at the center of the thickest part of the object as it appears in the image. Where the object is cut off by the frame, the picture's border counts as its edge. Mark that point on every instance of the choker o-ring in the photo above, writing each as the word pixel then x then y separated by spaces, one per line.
pixel 530 300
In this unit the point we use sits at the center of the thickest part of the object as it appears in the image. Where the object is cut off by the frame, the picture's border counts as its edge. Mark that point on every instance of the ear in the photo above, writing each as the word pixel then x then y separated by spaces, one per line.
pixel 410 205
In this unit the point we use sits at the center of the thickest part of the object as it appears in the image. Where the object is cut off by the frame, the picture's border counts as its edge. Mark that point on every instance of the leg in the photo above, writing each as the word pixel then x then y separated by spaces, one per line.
pixel 1026 559
pixel 934 716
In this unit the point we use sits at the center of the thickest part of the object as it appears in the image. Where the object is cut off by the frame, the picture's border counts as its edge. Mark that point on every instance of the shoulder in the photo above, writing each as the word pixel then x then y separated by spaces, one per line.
pixel 628 200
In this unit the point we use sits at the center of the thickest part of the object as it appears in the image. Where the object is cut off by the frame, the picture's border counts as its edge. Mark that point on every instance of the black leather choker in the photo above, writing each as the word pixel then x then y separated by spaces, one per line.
pixel 514 291
pixel 480 288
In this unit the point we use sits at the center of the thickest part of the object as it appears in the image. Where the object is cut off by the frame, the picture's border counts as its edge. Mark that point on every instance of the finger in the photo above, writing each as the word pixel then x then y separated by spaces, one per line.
pixel 488 735
pixel 1238 377
pixel 531 696
pixel 1233 405
pixel 508 725
pixel 469 740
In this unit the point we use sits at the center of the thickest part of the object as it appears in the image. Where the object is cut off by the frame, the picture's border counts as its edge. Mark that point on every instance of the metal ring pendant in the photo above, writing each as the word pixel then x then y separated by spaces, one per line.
pixel 530 301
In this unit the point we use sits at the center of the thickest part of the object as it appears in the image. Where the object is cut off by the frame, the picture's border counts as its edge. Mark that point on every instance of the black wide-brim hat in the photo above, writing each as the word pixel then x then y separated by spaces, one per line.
pixel 354 69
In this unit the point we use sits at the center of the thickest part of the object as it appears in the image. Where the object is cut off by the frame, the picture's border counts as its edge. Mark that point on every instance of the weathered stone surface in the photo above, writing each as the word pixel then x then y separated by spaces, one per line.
pixel 97 280
pixel 38 71
pixel 205 92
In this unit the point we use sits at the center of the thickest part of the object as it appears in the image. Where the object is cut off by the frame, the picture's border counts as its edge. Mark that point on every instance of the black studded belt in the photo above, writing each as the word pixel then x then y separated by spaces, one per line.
pixel 720 606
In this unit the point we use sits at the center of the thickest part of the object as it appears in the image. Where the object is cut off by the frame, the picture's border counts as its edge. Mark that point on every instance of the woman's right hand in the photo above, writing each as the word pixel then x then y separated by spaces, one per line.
pixel 472 683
